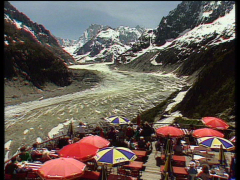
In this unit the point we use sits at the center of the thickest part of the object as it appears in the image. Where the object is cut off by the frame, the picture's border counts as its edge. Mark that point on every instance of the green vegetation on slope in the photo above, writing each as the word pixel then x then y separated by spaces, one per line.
pixel 214 90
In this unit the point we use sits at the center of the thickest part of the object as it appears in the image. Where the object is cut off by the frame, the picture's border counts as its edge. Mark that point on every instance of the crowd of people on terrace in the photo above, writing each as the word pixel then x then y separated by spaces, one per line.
pixel 122 135
pixel 138 137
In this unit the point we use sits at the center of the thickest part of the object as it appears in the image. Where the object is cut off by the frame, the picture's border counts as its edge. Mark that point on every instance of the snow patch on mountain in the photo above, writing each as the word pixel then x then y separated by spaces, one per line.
pixel 223 28
pixel 219 31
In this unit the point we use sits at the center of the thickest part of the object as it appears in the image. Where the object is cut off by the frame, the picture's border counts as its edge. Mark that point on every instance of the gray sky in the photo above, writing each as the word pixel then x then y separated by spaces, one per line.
pixel 69 19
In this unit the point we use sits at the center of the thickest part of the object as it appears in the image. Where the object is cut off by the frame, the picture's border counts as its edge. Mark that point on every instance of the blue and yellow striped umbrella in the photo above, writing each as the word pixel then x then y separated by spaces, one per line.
pixel 118 120
pixel 216 142
pixel 114 155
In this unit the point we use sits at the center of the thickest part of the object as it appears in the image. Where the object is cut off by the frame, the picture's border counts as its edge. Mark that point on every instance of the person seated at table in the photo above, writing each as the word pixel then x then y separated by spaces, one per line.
pixel 192 171
pixel 178 149
pixel 91 164
pixel 131 144
pixel 11 168
pixel 35 154
pixel 24 155
pixel 45 156
pixel 148 145
pixel 142 144
pixel 130 131
pixel 76 139
pixel 204 174
pixel 103 133
pixel 97 130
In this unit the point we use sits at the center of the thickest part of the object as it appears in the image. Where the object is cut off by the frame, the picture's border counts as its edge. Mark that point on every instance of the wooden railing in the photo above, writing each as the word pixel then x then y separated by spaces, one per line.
pixel 41 145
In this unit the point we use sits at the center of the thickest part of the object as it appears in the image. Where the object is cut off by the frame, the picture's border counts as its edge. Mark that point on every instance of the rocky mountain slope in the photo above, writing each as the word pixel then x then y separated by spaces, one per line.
pixel 204 51
pixel 90 32
pixel 197 39
pixel 188 15
pixel 31 52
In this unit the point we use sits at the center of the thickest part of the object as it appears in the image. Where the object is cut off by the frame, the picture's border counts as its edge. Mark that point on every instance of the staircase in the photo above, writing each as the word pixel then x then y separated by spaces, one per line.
pixel 152 171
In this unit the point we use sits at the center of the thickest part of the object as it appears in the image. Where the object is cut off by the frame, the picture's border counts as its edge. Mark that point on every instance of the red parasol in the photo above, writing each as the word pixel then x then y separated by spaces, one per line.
pixel 169 131
pixel 61 168
pixel 214 122
pixel 96 140
pixel 207 132
pixel 80 151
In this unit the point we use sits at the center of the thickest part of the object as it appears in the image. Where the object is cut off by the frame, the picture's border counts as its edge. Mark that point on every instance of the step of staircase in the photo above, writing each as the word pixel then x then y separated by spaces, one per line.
pixel 152 171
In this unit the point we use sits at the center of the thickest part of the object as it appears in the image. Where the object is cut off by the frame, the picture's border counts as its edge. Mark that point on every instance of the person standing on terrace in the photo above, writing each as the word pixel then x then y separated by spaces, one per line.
pixel 137 134
pixel 178 149
pixel 204 174
pixel 192 139
pixel 192 171
pixel 81 129
pixel 35 154
pixel 120 135
pixel 112 136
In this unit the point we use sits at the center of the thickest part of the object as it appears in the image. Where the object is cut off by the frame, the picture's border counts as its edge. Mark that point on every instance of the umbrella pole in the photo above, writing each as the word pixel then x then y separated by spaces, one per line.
pixel 207 155
pixel 104 173
pixel 192 157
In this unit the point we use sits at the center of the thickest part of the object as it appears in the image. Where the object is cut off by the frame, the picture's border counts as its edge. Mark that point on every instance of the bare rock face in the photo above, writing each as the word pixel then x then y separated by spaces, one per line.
pixel 188 15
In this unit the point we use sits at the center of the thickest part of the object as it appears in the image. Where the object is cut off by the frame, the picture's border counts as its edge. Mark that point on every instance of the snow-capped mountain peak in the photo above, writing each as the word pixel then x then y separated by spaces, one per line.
pixel 103 43
pixel 108 34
